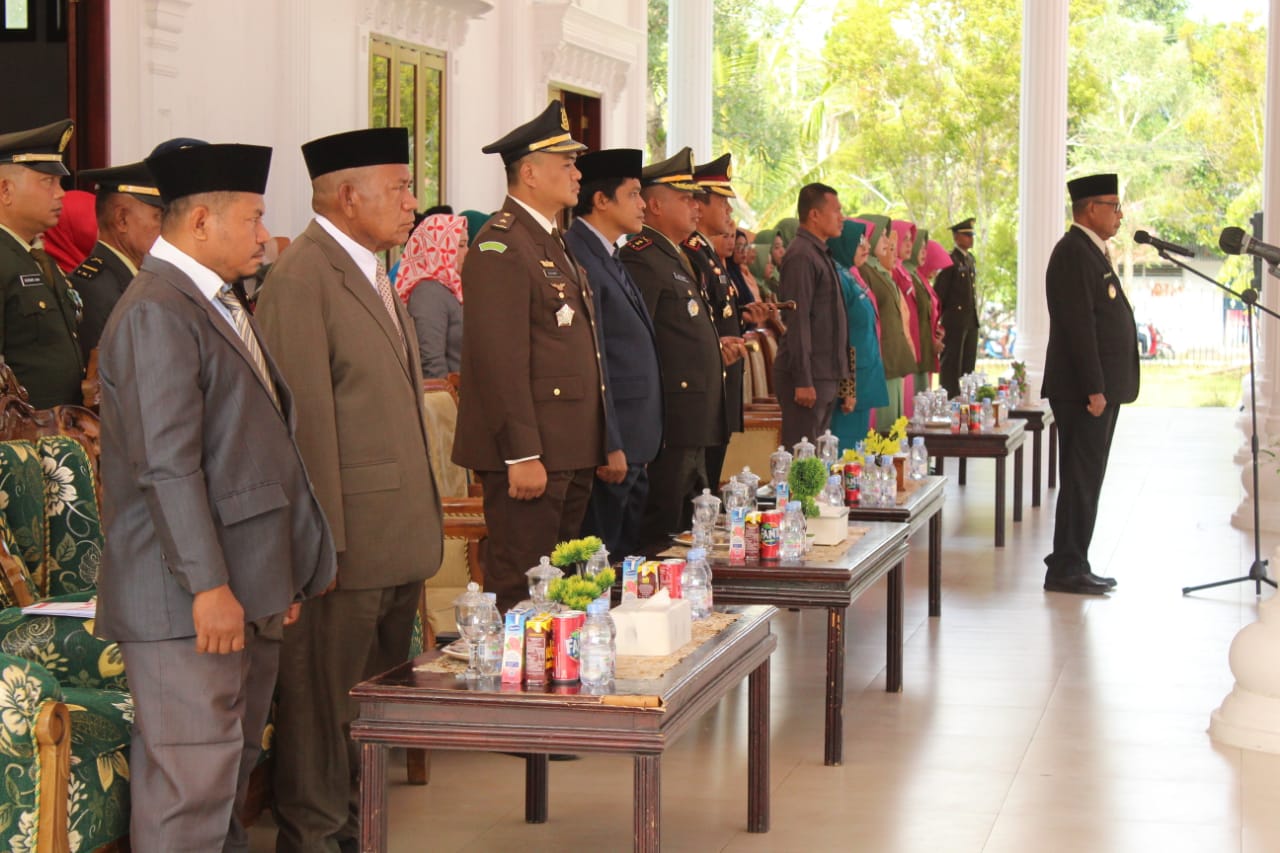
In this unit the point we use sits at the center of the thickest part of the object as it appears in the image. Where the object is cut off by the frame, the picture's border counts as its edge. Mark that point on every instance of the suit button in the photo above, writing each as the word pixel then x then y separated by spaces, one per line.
pixel 41 304
pixel 556 392
pixel 684 384
pixel 601 389
pixel 724 374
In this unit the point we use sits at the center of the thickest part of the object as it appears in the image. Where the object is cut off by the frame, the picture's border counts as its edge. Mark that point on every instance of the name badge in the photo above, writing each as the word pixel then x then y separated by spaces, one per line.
pixel 679 276
pixel 33 280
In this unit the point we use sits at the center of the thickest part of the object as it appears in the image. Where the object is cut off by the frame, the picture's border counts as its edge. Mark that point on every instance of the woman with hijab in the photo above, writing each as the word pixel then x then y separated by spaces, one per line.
pixel 430 283
pixel 865 389
pixel 930 259
pixel 475 221
pixel 904 233
pixel 787 230
pixel 765 268
pixel 73 238
pixel 926 311
pixel 895 347
pixel 733 252
pixel 743 262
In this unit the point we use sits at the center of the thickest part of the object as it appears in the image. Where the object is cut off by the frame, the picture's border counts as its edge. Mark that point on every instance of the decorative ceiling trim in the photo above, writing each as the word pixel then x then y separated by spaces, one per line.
pixel 437 24
pixel 585 50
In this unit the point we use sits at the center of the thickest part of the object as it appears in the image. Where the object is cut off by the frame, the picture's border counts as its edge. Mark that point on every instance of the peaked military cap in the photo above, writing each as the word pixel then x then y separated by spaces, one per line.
pixel 211 168
pixel 676 172
pixel 354 149
pixel 134 179
pixel 548 133
pixel 40 148
pixel 1093 185
pixel 714 176
pixel 611 163
pixel 964 226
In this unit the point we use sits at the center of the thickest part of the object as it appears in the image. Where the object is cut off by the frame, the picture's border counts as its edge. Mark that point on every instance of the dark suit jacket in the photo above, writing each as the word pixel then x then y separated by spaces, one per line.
pixel 816 345
pixel 633 377
pixel 360 423
pixel 532 378
pixel 38 336
pixel 688 343
pixel 957 302
pixel 202 482
pixel 722 297
pixel 1093 342
pixel 100 281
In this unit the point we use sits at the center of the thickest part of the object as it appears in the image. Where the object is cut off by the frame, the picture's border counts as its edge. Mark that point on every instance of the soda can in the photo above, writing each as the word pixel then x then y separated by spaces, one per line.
pixel 771 534
pixel 566 628
pixel 852 483
pixel 975 417
pixel 669 573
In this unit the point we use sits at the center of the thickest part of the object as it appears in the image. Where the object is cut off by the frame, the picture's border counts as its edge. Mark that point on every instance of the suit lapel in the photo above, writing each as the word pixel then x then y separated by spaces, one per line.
pixel 613 267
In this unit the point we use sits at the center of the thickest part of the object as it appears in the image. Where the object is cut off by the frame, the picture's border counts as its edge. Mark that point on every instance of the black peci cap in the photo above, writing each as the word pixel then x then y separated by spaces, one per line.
pixel 211 168
pixel 374 146
pixel 548 133
pixel 1093 185
pixel 40 148
pixel 676 172
pixel 714 177
pixel 135 179
pixel 611 163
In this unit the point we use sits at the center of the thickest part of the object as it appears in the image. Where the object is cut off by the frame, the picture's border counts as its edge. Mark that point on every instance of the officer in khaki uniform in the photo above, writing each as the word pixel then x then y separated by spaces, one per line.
pixel 531 418
pixel 689 349
pixel 40 312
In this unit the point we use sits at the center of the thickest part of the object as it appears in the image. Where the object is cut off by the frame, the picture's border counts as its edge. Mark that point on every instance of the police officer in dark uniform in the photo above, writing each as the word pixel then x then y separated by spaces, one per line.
pixel 689 348
pixel 38 336
pixel 128 208
pixel 958 309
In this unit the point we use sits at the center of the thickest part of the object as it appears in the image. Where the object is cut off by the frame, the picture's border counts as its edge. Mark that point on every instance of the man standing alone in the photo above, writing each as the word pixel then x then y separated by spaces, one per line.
pixel 1090 369
pixel 958 309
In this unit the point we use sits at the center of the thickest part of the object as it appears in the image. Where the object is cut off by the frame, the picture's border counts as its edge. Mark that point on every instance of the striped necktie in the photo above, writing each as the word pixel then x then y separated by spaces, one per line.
pixel 240 319
pixel 388 298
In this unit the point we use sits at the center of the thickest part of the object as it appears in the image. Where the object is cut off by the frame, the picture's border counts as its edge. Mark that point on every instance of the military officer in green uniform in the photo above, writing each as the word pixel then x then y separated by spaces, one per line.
pixel 40 311
pixel 958 309
pixel 689 347
pixel 128 209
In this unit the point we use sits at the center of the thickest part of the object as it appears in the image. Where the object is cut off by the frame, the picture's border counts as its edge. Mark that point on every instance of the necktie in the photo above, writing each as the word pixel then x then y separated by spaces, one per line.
pixel 240 319
pixel 46 264
pixel 388 298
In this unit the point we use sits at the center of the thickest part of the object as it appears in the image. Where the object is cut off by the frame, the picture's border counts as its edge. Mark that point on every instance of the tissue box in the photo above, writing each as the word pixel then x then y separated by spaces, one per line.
pixel 654 626
pixel 831 527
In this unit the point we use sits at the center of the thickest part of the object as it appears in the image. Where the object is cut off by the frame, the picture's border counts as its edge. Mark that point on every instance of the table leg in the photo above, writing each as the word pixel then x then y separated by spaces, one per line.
pixel 835 687
pixel 648 811
pixel 935 565
pixel 1053 455
pixel 758 749
pixel 964 470
pixel 373 798
pixel 1035 468
pixel 893 631
pixel 1000 484
pixel 1017 484
pixel 535 788
pixel 938 465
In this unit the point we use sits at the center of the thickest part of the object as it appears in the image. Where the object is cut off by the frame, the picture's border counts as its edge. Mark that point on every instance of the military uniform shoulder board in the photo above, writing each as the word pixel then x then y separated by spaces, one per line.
pixel 639 244
pixel 694 242
pixel 502 222
pixel 90 267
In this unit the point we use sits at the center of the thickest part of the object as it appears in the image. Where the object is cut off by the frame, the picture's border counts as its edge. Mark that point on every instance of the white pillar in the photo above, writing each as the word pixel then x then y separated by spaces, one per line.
pixel 1042 170
pixel 690 32
pixel 1249 716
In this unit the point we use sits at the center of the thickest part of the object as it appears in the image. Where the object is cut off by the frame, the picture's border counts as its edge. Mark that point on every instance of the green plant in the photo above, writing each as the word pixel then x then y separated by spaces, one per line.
pixel 807 477
pixel 577 591
pixel 574 551
pixel 986 392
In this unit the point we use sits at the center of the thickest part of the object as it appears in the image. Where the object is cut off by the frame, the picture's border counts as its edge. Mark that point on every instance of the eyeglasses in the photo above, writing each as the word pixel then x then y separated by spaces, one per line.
pixel 1119 208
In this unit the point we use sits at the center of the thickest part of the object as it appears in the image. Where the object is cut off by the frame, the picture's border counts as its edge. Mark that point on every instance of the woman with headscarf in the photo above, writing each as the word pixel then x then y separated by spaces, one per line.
pixel 904 233
pixel 733 251
pixel 73 238
pixel 926 311
pixel 865 389
pixel 765 268
pixel 895 347
pixel 742 262
pixel 930 260
pixel 430 283
pixel 787 229
pixel 475 221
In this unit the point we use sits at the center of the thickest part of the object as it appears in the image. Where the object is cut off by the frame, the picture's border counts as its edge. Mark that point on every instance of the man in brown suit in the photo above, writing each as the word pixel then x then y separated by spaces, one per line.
pixel 213 533
pixel 531 407
pixel 348 349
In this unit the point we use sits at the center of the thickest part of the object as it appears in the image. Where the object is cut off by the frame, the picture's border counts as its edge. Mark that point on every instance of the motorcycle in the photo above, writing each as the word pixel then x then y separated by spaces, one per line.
pixel 1151 344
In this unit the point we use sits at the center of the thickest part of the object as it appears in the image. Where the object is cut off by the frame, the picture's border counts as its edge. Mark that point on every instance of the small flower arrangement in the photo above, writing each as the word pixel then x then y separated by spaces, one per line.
pixel 1019 369
pixel 878 445
pixel 575 551
pixel 806 478
pixel 577 591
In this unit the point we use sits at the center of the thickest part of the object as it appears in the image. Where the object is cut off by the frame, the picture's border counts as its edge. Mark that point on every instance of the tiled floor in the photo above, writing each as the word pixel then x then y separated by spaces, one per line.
pixel 1028 722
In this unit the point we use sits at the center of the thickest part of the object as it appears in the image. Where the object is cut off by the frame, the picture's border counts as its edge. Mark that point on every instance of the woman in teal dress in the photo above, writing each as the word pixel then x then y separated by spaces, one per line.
pixel 865 389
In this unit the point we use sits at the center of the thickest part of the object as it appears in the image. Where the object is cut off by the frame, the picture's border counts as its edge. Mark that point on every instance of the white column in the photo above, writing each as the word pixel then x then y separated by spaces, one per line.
pixel 1249 716
pixel 690 31
pixel 1042 169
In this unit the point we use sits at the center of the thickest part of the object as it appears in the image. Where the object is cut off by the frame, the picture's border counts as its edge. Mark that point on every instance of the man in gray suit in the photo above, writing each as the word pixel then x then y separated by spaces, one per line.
pixel 213 533
pixel 348 348
pixel 813 354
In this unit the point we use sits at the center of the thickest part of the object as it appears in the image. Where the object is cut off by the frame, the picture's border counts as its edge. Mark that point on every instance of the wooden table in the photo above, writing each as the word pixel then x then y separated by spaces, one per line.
pixel 832 585
pixel 998 443
pixel 407 707
pixel 922 505
pixel 1038 418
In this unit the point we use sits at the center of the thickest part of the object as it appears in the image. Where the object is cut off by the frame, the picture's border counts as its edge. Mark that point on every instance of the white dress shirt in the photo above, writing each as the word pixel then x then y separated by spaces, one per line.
pixel 208 282
pixel 365 261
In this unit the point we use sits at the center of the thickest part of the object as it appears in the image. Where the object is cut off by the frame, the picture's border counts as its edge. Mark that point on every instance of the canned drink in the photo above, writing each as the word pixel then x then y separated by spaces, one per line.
pixel 669 574
pixel 771 535
pixel 975 417
pixel 566 628
pixel 752 536
pixel 852 483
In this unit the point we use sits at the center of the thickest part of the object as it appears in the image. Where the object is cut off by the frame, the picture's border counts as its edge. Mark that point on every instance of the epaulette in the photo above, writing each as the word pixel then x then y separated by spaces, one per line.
pixel 639 244
pixel 694 242
pixel 87 268
pixel 502 222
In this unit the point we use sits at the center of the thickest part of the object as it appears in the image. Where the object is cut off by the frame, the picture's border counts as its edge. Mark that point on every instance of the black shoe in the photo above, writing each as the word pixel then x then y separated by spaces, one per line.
pixel 1085 584
pixel 1110 582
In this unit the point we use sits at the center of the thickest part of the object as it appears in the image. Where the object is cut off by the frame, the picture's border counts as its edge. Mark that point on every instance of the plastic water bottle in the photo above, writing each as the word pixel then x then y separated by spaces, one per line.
pixel 919 459
pixel 793 532
pixel 833 492
pixel 695 583
pixel 491 639
pixel 597 652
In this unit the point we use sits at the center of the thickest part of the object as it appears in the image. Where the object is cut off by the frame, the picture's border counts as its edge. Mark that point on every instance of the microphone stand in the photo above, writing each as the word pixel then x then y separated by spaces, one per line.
pixel 1258 570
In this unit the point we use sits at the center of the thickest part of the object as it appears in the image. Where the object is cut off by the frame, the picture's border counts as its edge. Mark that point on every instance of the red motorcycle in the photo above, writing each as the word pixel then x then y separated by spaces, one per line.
pixel 1151 344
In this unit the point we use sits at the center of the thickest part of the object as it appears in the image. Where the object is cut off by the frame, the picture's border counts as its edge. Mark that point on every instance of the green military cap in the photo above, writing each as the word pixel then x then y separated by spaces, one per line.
pixel 40 148
pixel 714 177
pixel 963 227
pixel 548 133
pixel 134 179
pixel 675 172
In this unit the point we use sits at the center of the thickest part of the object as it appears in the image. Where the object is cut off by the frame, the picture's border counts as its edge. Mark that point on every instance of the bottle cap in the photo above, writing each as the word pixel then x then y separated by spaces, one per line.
pixel 597 608
pixel 794 505
pixel 696 554
pixel 491 596
pixel 833 480
pixel 918 441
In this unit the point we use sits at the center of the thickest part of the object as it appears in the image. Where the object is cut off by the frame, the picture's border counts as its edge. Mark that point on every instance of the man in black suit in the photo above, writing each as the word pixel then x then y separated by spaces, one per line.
pixel 1091 368
pixel 609 206
pixel 958 309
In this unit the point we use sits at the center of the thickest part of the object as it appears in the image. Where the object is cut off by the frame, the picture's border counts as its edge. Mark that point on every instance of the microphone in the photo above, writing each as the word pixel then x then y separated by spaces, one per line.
pixel 1162 245
pixel 1235 242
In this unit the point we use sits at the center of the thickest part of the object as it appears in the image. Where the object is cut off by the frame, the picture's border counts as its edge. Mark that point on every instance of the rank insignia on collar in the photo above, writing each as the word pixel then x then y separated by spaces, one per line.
pixel 693 308
pixel 639 244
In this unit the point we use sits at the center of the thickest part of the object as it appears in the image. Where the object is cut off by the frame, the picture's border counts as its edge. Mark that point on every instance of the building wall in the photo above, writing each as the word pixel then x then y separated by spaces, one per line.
pixel 282 72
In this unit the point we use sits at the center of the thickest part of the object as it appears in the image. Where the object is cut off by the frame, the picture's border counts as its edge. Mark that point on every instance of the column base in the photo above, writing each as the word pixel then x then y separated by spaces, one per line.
pixel 1249 717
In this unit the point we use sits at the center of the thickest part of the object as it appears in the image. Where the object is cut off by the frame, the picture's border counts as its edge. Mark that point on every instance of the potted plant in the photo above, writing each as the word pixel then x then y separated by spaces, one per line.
pixel 577 591
pixel 575 553
pixel 828 524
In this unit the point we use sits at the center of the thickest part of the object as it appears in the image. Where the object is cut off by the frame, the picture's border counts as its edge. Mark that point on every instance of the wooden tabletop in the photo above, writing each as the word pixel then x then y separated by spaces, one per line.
pixel 999 441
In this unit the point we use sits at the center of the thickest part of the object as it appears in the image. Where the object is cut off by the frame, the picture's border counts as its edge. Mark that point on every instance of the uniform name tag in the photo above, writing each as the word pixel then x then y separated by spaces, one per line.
pixel 679 276
pixel 552 272
pixel 31 280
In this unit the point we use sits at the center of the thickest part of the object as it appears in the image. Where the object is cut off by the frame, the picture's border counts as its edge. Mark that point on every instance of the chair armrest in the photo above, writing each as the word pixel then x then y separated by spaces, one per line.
pixel 53 741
